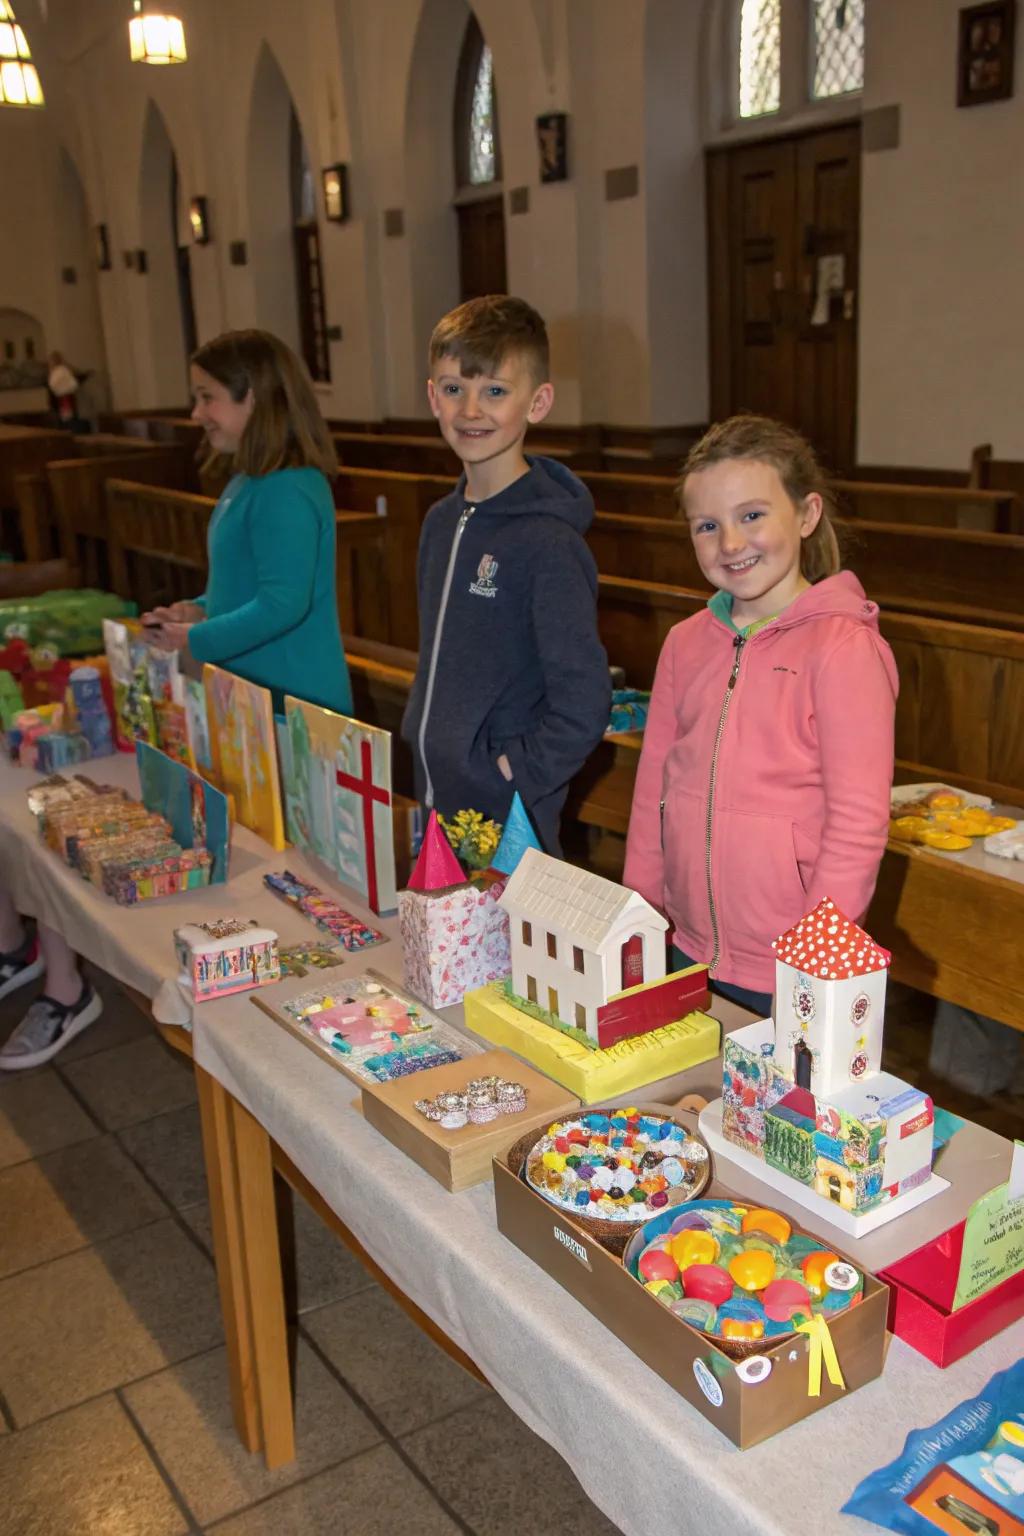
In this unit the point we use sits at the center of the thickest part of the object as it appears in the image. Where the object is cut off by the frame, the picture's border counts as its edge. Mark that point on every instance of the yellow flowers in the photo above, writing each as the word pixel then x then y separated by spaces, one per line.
pixel 474 840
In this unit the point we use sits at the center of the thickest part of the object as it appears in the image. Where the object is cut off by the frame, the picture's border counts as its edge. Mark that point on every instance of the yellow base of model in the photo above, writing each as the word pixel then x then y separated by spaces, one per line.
pixel 592 1075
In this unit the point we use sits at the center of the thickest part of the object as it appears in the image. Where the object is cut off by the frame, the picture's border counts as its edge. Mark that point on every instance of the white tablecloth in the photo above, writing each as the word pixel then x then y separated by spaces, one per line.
pixel 651 1462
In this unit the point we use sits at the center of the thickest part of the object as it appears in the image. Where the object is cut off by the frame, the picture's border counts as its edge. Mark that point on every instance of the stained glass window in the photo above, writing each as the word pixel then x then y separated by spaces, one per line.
pixel 482 159
pixel 838 47
pixel 760 57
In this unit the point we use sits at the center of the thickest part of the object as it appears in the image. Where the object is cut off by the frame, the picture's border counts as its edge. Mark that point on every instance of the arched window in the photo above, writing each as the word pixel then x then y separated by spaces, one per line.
pixel 477 146
pixel 837 42
pixel 308 265
pixel 760 57
pixel 479 203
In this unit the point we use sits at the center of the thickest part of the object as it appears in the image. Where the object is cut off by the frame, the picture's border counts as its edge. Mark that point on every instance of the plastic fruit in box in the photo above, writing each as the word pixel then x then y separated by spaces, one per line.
pixel 766 1289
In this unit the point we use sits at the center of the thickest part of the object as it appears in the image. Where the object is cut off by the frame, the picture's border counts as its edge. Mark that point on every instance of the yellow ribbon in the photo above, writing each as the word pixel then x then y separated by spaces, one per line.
pixel 822 1347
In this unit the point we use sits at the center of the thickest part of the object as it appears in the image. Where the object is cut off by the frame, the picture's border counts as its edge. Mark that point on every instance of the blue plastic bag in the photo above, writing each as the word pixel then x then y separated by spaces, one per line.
pixel 967 1470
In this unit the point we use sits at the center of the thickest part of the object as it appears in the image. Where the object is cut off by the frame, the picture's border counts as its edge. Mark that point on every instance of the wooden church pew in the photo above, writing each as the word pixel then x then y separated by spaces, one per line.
pixel 158 552
pixel 76 491
pixel 942 572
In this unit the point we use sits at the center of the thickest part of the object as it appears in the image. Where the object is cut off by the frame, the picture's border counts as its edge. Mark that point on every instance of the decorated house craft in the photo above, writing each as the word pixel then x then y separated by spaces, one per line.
pixel 454 932
pixel 588 1000
pixel 225 956
pixel 806 1092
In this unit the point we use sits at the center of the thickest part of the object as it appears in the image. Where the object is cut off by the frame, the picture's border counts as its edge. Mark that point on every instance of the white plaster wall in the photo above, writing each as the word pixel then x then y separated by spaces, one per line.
pixel 942 303
pixel 622 284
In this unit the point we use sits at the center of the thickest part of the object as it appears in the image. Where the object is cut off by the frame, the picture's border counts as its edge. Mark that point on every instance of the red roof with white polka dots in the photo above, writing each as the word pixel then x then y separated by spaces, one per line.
pixel 827 944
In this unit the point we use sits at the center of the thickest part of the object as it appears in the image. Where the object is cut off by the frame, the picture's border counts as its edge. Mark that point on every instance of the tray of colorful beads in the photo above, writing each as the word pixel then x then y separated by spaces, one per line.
pixel 369 1028
pixel 615 1168
pixel 740 1274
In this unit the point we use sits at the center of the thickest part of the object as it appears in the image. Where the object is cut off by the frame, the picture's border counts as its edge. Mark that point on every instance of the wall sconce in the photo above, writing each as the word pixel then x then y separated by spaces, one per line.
pixel 141 262
pixel 335 184
pixel 199 218
pixel 103 261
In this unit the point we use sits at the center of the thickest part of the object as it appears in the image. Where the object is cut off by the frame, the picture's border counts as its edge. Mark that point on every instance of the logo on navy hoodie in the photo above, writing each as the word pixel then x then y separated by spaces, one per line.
pixel 485 572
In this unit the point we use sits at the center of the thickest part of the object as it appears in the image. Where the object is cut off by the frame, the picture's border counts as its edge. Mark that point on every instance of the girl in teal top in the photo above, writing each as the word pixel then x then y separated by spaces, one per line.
pixel 270 610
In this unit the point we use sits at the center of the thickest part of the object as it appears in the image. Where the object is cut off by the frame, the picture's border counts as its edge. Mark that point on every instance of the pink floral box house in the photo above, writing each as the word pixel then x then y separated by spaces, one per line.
pixel 453 940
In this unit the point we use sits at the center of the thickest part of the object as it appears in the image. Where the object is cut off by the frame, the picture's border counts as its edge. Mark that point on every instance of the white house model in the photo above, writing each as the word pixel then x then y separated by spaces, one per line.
pixel 829 1002
pixel 578 939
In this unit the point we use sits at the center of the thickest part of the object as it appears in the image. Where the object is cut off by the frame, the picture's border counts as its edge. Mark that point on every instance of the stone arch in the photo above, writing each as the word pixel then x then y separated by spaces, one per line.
pixel 158 228
pixel 79 321
pixel 22 341
pixel 269 196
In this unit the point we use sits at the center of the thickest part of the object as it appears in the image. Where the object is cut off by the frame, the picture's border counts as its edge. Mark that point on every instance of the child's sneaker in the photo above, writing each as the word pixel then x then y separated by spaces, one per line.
pixel 20 966
pixel 47 1027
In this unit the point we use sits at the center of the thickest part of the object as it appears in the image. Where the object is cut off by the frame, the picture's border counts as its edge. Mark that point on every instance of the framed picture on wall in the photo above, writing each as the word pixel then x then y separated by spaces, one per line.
pixel 985 53
pixel 552 144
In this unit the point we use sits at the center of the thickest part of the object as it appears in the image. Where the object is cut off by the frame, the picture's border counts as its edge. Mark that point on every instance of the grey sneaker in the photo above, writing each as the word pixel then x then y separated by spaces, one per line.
pixel 20 966
pixel 47 1027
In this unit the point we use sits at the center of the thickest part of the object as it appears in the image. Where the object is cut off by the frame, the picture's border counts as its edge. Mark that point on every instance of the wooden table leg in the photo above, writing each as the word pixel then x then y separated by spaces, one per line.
pixel 225 1215
pixel 261 1255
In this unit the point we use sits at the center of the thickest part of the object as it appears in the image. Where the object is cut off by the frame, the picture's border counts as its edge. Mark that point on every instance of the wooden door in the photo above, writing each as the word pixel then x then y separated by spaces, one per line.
pixel 633 961
pixel 775 210
pixel 828 221
pixel 482 247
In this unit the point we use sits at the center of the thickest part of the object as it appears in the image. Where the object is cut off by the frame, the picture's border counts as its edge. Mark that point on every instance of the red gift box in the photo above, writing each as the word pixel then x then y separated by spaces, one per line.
pixel 921 1290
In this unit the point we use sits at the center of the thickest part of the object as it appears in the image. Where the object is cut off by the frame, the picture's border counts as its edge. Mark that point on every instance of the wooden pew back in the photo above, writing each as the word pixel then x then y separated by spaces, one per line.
pixel 24 451
pixel 935 506
pixel 942 572
pixel 158 552
pixel 961 703
pixel 76 491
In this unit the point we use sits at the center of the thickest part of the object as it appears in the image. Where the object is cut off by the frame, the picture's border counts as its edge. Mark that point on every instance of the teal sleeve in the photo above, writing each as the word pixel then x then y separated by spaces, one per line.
pixel 282 528
pixel 200 601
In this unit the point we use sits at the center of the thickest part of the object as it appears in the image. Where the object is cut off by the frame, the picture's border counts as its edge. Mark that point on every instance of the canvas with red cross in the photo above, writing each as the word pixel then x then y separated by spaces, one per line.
pixel 829 1001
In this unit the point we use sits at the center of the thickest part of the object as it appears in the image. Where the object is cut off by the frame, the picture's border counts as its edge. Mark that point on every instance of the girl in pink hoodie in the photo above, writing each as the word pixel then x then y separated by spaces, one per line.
pixel 767 763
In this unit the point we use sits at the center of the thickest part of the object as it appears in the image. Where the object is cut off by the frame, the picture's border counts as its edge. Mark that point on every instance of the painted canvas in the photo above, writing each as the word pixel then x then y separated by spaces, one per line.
pixel 241 736
pixel 127 655
pixel 197 725
pixel 196 810
pixel 337 774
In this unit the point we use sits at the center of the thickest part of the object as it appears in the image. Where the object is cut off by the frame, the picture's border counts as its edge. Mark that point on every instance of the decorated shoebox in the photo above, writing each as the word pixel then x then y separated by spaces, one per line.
pixel 746 1406
pixel 227 955
pixel 454 931
pixel 453 940
pixel 922 1288
pixel 461 1156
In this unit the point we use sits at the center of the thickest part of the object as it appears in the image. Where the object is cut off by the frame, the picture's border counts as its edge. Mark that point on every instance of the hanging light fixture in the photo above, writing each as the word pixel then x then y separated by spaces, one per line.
pixel 19 83
pixel 155 38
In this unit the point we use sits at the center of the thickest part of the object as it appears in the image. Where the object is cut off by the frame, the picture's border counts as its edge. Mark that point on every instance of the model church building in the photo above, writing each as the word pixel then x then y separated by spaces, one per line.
pixel 806 1091
pixel 591 953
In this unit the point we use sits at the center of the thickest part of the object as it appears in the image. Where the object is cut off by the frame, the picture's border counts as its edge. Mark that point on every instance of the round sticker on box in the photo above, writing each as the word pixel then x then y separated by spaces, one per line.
pixel 755 1369
pixel 709 1386
pixel 841 1277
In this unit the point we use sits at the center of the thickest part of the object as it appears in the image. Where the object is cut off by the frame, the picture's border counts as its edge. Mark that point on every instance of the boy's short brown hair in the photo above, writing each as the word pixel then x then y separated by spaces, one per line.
pixel 481 333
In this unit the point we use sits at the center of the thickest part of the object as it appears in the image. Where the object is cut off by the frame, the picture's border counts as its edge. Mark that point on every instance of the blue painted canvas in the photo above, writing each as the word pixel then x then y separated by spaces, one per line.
pixel 197 812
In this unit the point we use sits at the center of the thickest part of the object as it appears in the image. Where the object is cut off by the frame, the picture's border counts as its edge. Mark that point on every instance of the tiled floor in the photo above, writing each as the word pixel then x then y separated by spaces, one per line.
pixel 114 1412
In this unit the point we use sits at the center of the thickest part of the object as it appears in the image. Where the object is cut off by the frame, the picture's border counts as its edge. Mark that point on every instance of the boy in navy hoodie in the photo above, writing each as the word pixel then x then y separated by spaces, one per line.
pixel 512 691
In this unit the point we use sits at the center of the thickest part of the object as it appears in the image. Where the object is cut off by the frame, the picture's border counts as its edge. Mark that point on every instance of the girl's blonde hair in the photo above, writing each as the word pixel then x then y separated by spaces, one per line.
pixel 286 429
pixel 770 442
